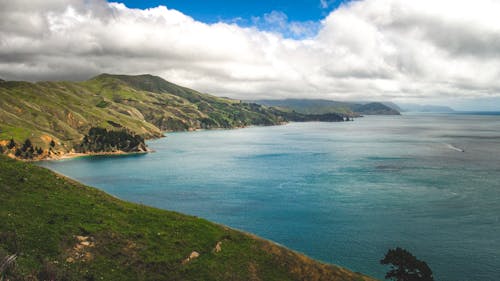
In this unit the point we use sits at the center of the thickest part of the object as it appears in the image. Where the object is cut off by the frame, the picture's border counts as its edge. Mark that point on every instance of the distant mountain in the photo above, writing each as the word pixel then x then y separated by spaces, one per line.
pixel 393 106
pixel 374 108
pixel 309 106
pixel 321 106
pixel 409 107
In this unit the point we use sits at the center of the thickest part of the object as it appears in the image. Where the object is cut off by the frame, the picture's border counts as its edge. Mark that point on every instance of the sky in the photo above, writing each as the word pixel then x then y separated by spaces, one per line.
pixel 427 51
pixel 243 10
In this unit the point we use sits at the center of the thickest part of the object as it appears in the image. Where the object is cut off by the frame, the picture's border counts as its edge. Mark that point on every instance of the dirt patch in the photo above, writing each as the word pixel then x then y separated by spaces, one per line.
pixel 81 250
pixel 252 270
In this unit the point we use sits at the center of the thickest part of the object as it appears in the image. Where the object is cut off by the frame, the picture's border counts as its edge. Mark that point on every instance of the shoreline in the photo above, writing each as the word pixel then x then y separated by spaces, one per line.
pixel 268 246
pixel 74 155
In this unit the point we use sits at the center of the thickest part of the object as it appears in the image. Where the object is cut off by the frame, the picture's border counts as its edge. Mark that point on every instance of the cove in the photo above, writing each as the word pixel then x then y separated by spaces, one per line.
pixel 339 192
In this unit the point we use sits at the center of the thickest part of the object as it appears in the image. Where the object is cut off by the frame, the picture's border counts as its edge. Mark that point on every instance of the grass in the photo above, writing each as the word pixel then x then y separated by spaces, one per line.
pixel 43 214
pixel 144 104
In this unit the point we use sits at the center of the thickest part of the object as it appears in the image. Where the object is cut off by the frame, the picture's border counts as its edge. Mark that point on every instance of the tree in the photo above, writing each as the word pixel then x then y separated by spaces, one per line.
pixel 11 144
pixel 406 267
pixel 27 145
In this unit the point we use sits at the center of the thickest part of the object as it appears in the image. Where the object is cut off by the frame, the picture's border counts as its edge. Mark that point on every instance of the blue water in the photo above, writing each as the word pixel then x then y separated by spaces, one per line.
pixel 339 192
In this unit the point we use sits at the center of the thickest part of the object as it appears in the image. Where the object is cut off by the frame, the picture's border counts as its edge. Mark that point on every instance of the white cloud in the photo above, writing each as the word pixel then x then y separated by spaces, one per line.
pixel 371 49
pixel 278 22
pixel 324 4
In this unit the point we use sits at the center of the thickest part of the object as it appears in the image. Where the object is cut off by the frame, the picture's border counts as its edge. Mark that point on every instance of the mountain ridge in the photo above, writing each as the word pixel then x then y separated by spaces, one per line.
pixel 144 105
pixel 322 106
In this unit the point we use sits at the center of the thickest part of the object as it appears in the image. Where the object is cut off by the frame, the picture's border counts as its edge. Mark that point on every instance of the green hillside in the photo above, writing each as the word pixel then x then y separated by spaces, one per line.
pixel 61 230
pixel 145 104
pixel 321 106
pixel 374 108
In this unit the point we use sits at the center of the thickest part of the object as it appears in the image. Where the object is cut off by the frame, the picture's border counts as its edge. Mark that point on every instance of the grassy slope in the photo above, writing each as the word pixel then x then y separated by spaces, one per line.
pixel 145 104
pixel 375 108
pixel 42 213
pixel 312 106
pixel 319 106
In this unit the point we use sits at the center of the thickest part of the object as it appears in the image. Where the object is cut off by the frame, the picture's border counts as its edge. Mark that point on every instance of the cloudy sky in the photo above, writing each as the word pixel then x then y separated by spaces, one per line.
pixel 422 51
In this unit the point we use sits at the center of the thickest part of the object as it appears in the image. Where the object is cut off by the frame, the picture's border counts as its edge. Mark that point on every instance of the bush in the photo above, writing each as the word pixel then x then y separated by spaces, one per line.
pixel 27 145
pixel 102 140
pixel 405 266
pixel 11 144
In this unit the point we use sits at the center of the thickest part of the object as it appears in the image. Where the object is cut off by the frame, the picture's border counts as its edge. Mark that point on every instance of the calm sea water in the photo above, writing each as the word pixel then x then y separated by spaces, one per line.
pixel 339 192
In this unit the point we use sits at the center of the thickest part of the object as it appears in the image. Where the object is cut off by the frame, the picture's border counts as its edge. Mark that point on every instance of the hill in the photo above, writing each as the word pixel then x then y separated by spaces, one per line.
pixel 62 230
pixel 63 113
pixel 374 108
pixel 321 106
pixel 145 104
pixel 310 106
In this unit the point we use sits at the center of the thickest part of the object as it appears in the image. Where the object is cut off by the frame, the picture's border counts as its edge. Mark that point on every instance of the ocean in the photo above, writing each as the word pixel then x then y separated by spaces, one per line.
pixel 342 193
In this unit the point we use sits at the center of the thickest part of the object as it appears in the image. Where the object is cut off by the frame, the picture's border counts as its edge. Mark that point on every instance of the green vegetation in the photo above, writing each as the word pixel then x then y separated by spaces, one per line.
pixel 326 117
pixel 319 106
pixel 406 267
pixel 24 151
pixel 57 229
pixel 145 105
pixel 102 140
pixel 375 108
pixel 103 104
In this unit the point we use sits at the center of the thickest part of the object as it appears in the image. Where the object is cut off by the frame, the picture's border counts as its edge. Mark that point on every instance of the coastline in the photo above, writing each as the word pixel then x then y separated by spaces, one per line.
pixel 72 155
pixel 124 220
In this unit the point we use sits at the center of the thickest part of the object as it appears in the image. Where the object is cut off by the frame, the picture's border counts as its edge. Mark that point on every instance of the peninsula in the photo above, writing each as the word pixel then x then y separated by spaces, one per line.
pixel 116 113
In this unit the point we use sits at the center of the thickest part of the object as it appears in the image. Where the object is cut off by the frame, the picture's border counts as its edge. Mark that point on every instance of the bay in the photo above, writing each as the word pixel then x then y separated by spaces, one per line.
pixel 339 192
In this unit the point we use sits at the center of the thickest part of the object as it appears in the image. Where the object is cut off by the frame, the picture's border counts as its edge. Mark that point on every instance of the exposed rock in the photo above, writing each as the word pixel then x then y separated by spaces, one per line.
pixel 85 243
pixel 81 238
pixel 192 256
pixel 81 249
pixel 218 247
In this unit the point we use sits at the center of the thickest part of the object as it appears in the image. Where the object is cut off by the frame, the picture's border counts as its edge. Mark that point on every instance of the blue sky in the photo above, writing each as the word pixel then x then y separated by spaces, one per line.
pixel 426 51
pixel 217 10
